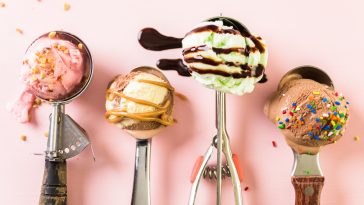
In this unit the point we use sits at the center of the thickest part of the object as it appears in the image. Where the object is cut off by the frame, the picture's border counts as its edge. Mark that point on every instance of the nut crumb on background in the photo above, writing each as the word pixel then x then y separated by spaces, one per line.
pixel 23 138
pixel 66 6
pixel 20 31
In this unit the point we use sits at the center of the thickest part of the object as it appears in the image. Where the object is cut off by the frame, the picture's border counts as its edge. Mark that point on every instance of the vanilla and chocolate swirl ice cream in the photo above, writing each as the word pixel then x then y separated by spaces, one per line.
pixel 140 100
pixel 223 58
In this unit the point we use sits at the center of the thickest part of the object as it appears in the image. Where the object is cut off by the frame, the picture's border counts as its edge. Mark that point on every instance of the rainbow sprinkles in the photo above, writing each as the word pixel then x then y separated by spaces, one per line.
pixel 325 125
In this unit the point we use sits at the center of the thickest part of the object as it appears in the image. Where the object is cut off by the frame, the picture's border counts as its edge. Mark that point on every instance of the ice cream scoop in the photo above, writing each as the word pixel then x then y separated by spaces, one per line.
pixel 70 74
pixel 310 114
pixel 220 53
pixel 141 104
pixel 57 68
pixel 53 68
pixel 221 57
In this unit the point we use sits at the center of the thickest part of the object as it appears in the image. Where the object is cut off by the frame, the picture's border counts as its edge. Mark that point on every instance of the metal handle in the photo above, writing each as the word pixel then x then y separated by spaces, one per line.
pixel 54 186
pixel 223 145
pixel 196 181
pixel 220 125
pixel 308 189
pixel 55 131
pixel 141 188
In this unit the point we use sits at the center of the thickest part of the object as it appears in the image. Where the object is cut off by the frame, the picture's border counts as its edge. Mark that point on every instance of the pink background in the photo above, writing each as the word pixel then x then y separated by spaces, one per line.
pixel 328 34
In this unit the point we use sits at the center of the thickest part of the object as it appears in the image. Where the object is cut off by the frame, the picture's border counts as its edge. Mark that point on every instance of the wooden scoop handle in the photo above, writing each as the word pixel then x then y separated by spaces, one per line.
pixel 308 189
pixel 54 186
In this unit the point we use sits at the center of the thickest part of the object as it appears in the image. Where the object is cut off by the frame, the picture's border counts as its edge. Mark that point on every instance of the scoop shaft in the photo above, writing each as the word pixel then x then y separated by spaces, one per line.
pixel 141 189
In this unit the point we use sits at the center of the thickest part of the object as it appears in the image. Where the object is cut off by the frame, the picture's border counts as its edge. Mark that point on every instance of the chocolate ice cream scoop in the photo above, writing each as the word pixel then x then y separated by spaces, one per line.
pixel 309 114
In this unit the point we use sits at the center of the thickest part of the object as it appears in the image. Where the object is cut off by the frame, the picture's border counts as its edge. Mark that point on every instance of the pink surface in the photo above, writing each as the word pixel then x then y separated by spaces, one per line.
pixel 326 33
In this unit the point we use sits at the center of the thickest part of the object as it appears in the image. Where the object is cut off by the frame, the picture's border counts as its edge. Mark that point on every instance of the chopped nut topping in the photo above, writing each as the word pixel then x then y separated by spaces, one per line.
pixel 52 34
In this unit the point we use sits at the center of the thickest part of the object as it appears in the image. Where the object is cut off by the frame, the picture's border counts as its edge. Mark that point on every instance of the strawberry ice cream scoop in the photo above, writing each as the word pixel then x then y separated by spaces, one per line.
pixel 52 68
pixel 56 67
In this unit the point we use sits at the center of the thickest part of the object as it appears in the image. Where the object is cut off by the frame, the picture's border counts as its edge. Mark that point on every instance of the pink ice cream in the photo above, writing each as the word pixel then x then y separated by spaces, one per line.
pixel 52 69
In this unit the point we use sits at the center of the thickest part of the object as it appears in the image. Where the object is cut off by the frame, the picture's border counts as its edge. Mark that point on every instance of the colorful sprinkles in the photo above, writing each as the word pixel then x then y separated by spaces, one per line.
pixel 325 126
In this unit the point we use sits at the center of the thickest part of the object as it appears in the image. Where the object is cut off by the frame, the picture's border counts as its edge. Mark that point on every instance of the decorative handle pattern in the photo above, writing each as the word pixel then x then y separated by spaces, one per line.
pixel 54 186
pixel 308 189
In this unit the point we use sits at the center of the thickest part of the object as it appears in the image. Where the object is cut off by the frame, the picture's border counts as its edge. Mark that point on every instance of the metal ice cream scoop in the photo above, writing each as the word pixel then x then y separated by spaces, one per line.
pixel 66 138
pixel 141 188
pixel 151 39
pixel 307 177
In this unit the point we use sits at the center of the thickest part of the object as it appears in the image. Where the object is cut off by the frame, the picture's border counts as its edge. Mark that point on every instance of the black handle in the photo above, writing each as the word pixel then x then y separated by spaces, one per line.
pixel 54 186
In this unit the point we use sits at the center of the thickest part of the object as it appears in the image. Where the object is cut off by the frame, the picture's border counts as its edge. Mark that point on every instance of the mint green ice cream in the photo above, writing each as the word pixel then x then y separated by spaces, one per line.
pixel 221 58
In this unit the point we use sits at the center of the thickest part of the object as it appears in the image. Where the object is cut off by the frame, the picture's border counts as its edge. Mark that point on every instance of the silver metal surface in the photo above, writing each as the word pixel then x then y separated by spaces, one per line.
pixel 225 143
pixel 210 172
pixel 306 165
pixel 141 188
pixel 307 72
pixel 221 130
pixel 195 184
pixel 55 131
pixel 66 138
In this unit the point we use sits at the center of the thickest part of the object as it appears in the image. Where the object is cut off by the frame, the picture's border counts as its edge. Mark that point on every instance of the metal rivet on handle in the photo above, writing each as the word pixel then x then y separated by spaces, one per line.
pixel 309 191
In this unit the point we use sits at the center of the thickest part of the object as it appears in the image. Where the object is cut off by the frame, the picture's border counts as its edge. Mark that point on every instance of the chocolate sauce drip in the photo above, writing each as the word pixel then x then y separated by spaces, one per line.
pixel 264 79
pixel 234 23
pixel 214 29
pixel 259 70
pixel 216 50
pixel 222 73
pixel 174 64
pixel 199 59
pixel 151 39
pixel 246 72
pixel 257 44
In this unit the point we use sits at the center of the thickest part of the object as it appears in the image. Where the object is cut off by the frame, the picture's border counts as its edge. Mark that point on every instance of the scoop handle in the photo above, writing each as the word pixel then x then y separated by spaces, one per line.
pixel 54 186
pixel 141 188
pixel 308 189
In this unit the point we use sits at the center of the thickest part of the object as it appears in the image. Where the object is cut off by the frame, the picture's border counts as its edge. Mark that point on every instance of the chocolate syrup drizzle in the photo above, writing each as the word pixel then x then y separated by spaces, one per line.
pixel 214 29
pixel 174 64
pixel 151 39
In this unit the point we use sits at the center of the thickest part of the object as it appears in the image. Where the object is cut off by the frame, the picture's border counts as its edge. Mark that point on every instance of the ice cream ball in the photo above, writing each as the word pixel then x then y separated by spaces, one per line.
pixel 53 67
pixel 223 57
pixel 308 113
pixel 140 102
